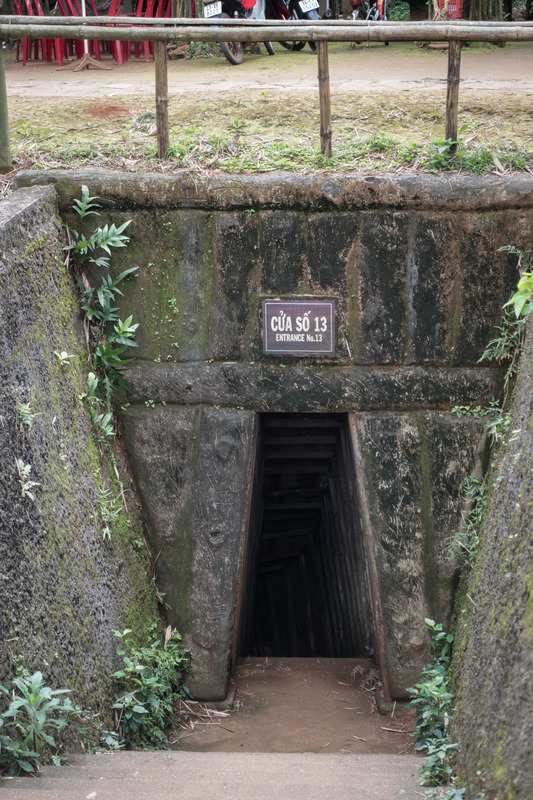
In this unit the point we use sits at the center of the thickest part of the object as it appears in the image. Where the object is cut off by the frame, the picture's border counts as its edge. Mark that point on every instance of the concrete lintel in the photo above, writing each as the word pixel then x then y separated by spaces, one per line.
pixel 298 389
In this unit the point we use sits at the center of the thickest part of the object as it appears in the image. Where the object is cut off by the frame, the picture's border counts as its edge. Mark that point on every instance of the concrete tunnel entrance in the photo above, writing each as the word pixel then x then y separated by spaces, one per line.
pixel 305 582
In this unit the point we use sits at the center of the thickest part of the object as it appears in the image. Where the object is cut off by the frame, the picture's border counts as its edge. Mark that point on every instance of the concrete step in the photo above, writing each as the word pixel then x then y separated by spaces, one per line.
pixel 178 775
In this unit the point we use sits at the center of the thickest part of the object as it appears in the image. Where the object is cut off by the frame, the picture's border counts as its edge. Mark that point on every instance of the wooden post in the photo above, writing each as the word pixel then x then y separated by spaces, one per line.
pixel 5 148
pixel 161 98
pixel 452 96
pixel 325 100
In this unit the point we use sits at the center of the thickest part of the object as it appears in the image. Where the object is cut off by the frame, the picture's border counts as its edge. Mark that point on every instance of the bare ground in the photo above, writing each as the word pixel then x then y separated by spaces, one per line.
pixel 296 705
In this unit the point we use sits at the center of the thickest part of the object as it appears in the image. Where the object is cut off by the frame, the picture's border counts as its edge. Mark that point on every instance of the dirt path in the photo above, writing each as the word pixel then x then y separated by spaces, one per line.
pixel 295 705
pixel 400 67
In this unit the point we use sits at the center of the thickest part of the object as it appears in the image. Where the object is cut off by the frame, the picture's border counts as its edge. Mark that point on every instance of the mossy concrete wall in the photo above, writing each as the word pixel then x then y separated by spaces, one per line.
pixel 63 586
pixel 493 651
pixel 413 264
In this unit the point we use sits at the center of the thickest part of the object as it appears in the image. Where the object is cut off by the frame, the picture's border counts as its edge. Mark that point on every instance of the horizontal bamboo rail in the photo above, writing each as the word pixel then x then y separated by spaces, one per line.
pixel 117 29
pixel 141 22
pixel 224 30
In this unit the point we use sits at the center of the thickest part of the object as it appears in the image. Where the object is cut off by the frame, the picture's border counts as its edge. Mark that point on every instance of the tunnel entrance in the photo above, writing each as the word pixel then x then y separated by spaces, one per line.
pixel 305 582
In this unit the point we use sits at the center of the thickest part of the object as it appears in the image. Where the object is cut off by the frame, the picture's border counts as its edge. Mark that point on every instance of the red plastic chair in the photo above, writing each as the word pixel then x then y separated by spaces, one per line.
pixel 120 50
pixel 71 8
pixel 48 47
pixel 148 8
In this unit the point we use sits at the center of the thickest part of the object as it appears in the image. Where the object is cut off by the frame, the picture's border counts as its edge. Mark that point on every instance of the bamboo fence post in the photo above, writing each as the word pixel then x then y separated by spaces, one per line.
pixel 452 95
pixel 5 148
pixel 161 99
pixel 325 99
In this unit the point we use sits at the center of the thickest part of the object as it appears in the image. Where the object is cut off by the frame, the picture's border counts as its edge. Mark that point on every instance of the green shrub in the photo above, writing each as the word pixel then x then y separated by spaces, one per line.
pixel 398 11
pixel 149 684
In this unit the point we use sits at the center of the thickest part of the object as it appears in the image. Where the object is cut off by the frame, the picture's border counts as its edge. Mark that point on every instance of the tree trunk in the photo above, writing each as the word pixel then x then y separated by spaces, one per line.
pixel 485 9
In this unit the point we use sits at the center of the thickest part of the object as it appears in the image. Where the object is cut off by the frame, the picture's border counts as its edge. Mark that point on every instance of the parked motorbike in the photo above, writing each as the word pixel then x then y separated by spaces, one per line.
pixel 369 9
pixel 235 9
pixel 296 9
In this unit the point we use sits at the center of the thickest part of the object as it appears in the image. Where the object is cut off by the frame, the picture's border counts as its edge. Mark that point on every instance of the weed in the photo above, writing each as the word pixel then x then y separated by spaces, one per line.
pixel 439 155
pixel 201 50
pixel 497 421
pixel 32 724
pixel 432 701
pixel 64 357
pixel 103 421
pixel 109 506
pixel 463 545
pixel 469 411
pixel 522 299
pixel 25 415
pixel 507 345
pixel 149 683
pixel 26 485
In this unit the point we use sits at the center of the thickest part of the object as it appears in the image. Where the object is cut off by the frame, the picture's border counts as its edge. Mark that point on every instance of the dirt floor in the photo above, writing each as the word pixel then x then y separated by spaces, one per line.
pixel 293 705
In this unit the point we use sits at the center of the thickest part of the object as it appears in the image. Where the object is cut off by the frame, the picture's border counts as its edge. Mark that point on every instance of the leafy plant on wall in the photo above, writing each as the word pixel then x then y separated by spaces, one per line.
pixel 108 336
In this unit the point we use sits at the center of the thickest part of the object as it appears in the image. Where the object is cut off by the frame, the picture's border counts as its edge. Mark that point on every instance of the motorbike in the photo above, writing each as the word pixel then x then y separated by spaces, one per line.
pixel 235 9
pixel 296 9
pixel 369 9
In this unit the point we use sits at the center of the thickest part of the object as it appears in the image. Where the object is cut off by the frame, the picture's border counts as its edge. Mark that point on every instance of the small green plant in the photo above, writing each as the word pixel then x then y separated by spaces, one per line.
pixel 497 421
pixel 32 724
pixel 463 545
pixel 432 702
pixel 506 347
pixel 451 793
pixel 27 486
pixel 149 684
pixel 522 299
pixel 469 411
pixel 97 301
pixel 103 421
pixel 90 249
pixel 25 415
pixel 439 155
pixel 109 508
pixel 64 357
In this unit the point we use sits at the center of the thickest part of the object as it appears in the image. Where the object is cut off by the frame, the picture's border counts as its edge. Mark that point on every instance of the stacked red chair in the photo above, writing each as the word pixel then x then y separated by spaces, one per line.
pixel 48 47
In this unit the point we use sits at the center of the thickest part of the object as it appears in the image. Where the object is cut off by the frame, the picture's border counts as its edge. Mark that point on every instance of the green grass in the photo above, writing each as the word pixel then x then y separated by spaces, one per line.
pixel 239 153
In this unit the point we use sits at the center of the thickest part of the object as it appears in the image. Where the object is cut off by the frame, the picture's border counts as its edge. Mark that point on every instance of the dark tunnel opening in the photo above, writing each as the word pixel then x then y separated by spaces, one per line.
pixel 305 587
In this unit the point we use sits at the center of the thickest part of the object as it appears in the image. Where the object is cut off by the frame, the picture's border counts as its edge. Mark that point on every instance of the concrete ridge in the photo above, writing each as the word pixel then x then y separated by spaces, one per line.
pixel 286 190
pixel 178 775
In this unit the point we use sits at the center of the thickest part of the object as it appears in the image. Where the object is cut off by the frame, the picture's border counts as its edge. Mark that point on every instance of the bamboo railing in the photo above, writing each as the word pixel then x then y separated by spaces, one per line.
pixel 163 30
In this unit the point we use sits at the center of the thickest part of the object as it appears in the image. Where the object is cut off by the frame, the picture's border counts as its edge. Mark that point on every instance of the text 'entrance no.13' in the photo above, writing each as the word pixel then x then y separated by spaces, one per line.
pixel 299 327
